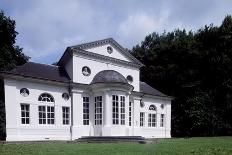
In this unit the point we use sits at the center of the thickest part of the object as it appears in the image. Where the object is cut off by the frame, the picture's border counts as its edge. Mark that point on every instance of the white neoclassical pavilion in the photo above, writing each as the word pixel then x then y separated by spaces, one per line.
pixel 95 90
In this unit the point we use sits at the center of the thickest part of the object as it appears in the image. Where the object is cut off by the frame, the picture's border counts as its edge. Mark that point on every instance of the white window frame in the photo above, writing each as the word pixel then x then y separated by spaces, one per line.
pixel 85 110
pixel 98 110
pixel 162 120
pixel 66 115
pixel 118 110
pixel 49 113
pixel 115 109
pixel 42 112
pixel 152 120
pixel 142 119
pixel 46 97
pixel 130 113
pixel 25 110
pixel 122 110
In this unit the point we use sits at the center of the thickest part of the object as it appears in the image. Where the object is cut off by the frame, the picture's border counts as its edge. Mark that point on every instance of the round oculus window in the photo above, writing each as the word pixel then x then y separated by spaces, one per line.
pixel 129 78
pixel 109 49
pixel 24 92
pixel 65 96
pixel 86 71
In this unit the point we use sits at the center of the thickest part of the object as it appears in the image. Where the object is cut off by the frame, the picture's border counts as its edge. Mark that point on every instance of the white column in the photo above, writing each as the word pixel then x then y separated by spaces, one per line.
pixel 167 119
pixel 77 113
pixel 107 109
pixel 107 113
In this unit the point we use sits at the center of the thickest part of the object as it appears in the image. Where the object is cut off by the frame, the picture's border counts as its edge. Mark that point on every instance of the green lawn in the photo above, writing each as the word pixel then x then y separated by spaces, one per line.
pixel 210 146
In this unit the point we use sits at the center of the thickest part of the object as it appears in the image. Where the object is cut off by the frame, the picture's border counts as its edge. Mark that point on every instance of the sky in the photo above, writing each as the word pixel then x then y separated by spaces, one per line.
pixel 47 27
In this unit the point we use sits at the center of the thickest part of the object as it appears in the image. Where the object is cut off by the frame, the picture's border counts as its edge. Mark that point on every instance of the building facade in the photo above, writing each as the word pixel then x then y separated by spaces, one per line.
pixel 94 90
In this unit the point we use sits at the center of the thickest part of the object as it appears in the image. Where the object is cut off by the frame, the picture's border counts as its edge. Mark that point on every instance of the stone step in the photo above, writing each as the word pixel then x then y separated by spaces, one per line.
pixel 112 139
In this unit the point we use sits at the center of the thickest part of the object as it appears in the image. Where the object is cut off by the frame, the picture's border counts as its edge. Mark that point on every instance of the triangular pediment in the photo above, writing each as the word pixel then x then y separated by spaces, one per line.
pixel 109 48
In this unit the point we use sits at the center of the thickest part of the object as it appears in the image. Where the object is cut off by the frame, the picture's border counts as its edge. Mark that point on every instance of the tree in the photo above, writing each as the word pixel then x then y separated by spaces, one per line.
pixel 195 68
pixel 10 57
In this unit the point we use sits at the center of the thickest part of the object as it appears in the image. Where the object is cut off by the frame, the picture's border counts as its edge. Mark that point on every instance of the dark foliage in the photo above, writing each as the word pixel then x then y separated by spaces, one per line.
pixel 10 56
pixel 195 68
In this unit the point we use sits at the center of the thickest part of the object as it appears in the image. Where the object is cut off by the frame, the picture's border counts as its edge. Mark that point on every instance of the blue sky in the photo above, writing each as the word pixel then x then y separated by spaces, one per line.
pixel 47 27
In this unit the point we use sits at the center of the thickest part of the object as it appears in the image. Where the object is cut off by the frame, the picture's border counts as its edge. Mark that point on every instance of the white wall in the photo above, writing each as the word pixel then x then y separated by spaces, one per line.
pixel 35 131
pixel 79 129
pixel 153 132
pixel 97 66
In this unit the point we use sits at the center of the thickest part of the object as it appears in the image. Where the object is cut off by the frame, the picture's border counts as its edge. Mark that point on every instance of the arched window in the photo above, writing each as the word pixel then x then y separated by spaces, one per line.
pixel 45 97
pixel 152 107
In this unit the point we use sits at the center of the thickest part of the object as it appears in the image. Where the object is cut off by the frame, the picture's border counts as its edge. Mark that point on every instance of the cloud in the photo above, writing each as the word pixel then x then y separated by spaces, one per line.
pixel 46 28
pixel 137 26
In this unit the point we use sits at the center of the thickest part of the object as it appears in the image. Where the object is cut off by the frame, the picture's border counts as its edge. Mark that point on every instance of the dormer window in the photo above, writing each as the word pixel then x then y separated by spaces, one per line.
pixel 109 49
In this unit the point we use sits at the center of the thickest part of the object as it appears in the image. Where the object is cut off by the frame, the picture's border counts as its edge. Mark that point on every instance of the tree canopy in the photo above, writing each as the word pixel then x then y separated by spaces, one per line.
pixel 195 68
pixel 11 56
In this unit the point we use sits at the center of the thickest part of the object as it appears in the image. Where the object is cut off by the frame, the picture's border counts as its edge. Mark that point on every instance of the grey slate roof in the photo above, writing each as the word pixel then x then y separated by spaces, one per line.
pixel 58 74
pixel 145 88
pixel 109 76
pixel 41 71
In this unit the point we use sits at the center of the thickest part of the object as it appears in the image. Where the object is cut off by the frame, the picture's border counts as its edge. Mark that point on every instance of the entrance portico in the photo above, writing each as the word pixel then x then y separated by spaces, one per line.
pixel 115 93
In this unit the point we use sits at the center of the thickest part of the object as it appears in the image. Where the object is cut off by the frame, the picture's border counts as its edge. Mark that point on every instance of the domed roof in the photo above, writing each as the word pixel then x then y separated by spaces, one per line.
pixel 109 76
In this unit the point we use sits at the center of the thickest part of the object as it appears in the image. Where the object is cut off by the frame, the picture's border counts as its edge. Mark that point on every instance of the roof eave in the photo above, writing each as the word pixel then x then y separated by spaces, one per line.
pixel 5 75
pixel 155 96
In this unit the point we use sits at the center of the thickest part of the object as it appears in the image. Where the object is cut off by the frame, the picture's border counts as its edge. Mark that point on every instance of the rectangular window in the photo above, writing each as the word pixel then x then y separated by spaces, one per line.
pixel 85 110
pixel 98 110
pixel 162 120
pixel 115 109
pixel 50 115
pixel 116 106
pixel 152 120
pixel 130 113
pixel 25 113
pixel 142 119
pixel 66 114
pixel 122 106
pixel 42 114
pixel 46 115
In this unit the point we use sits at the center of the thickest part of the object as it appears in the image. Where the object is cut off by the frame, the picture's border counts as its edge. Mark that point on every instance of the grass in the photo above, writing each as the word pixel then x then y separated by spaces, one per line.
pixel 193 146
